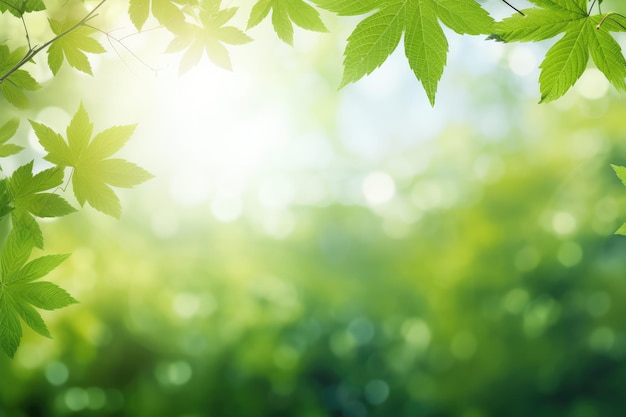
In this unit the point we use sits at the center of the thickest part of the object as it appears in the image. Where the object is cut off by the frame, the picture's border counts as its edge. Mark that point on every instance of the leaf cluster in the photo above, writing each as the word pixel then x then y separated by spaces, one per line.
pixel 583 35
pixel 26 196
pixel 205 28
pixel 21 293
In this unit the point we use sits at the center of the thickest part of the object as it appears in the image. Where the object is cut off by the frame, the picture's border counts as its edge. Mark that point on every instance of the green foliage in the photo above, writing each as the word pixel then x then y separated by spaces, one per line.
pixel 566 60
pixel 165 12
pixel 208 36
pixel 26 191
pixel 93 174
pixel 7 131
pixel 19 295
pixel 284 14
pixel 13 81
pixel 72 44
pixel 19 7
pixel 425 44
pixel 202 27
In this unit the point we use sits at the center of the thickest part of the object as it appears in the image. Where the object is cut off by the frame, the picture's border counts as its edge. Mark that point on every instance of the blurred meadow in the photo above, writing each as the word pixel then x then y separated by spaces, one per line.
pixel 304 251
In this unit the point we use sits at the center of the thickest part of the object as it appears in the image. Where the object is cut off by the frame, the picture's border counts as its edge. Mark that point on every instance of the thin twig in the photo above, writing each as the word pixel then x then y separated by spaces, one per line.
pixel 26 31
pixel 514 8
pixel 32 52
pixel 111 38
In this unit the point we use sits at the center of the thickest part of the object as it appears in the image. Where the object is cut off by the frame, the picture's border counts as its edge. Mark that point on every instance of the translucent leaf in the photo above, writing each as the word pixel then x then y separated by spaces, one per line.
pixel 564 63
pixel 373 40
pixel 44 295
pixel 425 46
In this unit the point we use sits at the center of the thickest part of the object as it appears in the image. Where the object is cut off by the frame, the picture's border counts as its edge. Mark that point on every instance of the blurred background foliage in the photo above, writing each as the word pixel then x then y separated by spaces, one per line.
pixel 310 252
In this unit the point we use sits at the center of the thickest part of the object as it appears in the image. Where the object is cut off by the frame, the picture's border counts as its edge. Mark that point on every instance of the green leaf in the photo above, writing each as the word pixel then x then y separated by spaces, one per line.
pixel 44 295
pixel 464 17
pixel 535 25
pixel 577 6
pixel 15 253
pixel 53 143
pixel 285 13
pixel 567 59
pixel 29 200
pixel 19 295
pixel 7 131
pixel 25 223
pixel 349 7
pixel 39 267
pixel 426 46
pixel 138 11
pixel 425 43
pixel 208 37
pixel 259 12
pixel 93 173
pixel 608 57
pixel 620 171
pixel 373 40
pixel 10 328
pixel 72 45
pixel 282 25
pixel 23 182
pixel 6 200
pixel 166 12
pixel 19 7
pixel 30 316
pixel 621 230
pixel 564 63
pixel 12 86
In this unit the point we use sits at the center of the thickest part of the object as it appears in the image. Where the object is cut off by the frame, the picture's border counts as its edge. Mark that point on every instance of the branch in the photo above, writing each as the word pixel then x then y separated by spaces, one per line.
pixel 111 38
pixel 34 51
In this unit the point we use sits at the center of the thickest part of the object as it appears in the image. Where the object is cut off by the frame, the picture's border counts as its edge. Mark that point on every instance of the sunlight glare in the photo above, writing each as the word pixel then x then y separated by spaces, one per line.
pixel 225 142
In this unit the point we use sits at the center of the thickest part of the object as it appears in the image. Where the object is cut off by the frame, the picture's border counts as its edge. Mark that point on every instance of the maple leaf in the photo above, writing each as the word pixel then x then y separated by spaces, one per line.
pixel 165 12
pixel 72 43
pixel 13 84
pixel 19 295
pixel 93 173
pixel 209 37
pixel 26 192
pixel 584 35
pixel 284 14
pixel 425 43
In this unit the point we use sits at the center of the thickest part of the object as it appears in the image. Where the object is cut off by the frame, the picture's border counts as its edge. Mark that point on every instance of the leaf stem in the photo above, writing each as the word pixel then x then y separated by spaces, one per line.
pixel 111 38
pixel 608 17
pixel 26 31
pixel 34 51
pixel 514 8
